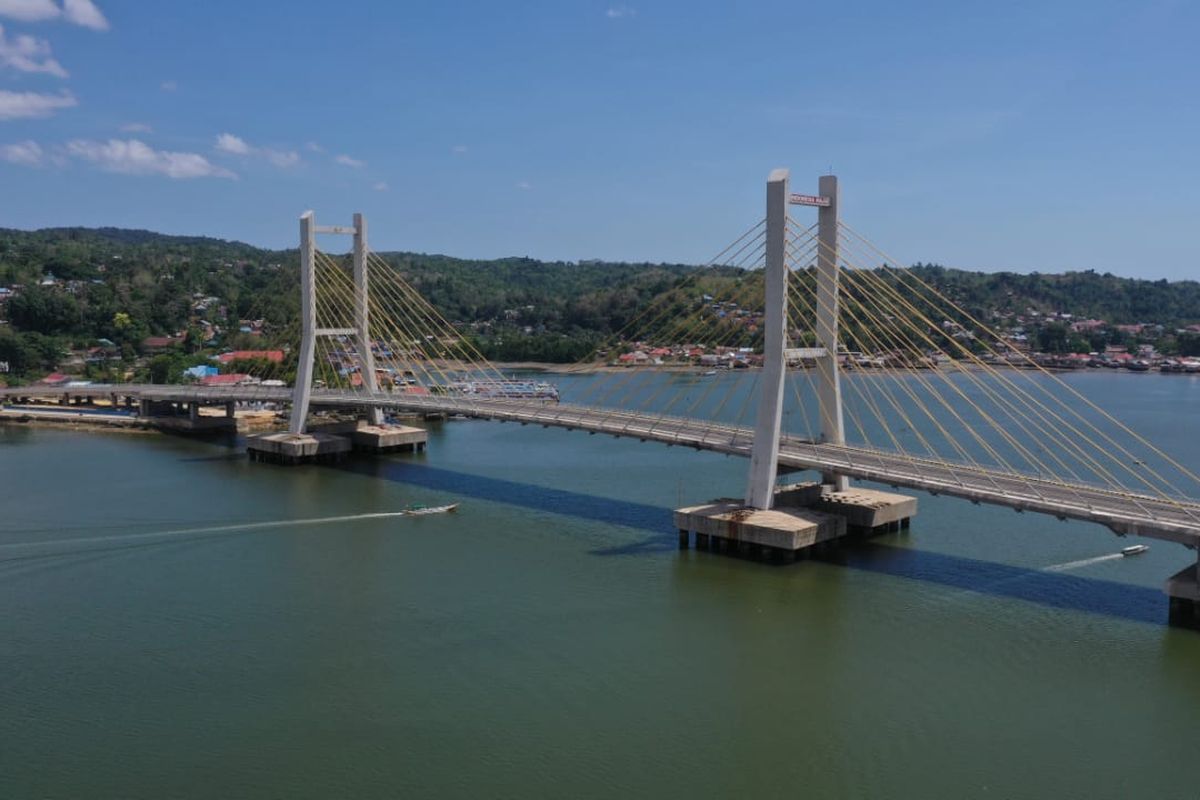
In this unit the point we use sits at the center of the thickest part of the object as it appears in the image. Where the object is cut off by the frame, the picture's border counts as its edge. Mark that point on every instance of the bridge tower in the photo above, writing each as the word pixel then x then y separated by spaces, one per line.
pixel 302 393
pixel 829 383
pixel 764 458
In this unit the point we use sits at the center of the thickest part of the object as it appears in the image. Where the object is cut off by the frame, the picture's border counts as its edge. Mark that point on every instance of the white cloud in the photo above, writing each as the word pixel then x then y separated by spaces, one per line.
pixel 30 10
pixel 236 145
pixel 618 12
pixel 228 143
pixel 313 147
pixel 137 127
pixel 23 105
pixel 133 157
pixel 85 13
pixel 347 161
pixel 282 158
pixel 458 149
pixel 27 54
pixel 381 186
pixel 27 153
pixel 168 86
pixel 79 12
pixel 524 185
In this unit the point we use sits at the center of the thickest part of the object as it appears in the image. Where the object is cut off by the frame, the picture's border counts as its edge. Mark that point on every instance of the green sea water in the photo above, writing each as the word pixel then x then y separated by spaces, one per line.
pixel 551 640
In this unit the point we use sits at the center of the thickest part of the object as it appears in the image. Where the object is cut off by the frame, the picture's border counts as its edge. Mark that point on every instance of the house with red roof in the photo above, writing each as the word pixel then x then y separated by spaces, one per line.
pixel 275 356
pixel 157 343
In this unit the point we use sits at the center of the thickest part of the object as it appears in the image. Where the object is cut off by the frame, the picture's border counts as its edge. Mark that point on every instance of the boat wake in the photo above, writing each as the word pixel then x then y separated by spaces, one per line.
pixel 65 546
pixel 1086 562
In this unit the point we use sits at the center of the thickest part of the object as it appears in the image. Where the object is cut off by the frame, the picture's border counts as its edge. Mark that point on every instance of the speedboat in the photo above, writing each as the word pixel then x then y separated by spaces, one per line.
pixel 418 510
pixel 710 373
pixel 1134 549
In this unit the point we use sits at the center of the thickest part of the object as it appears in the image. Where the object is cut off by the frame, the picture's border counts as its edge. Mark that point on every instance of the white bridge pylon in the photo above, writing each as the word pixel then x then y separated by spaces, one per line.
pixel 764 458
pixel 302 393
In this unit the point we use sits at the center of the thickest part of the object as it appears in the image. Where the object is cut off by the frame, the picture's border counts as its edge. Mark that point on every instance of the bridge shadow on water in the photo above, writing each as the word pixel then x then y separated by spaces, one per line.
pixel 1054 590
pixel 539 498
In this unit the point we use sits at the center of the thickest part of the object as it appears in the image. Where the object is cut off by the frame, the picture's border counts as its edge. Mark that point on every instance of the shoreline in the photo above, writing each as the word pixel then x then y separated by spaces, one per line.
pixel 92 422
pixel 574 369
pixel 82 422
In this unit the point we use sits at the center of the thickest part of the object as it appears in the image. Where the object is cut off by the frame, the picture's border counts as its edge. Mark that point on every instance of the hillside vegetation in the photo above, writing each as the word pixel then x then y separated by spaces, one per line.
pixel 72 290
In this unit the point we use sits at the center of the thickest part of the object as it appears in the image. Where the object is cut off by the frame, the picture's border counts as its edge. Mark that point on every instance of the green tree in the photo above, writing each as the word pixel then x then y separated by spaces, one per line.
pixel 1052 338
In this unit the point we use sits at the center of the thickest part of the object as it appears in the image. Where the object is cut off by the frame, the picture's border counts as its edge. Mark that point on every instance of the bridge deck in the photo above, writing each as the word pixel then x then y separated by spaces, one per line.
pixel 1123 512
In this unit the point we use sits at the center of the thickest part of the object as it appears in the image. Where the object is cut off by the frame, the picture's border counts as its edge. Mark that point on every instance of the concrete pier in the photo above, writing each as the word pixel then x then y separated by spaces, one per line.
pixel 1184 590
pixel 298 448
pixel 804 516
pixel 334 441
pixel 389 439
pixel 186 417
pixel 869 512
pixel 734 525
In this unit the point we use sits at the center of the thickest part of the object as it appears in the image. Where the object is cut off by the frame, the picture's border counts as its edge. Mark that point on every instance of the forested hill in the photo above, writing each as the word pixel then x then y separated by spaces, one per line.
pixel 70 287
pixel 1086 294
pixel 67 288
pixel 154 277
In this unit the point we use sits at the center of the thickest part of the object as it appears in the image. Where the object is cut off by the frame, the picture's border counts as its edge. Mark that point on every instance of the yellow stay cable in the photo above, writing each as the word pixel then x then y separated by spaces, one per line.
pixel 1062 384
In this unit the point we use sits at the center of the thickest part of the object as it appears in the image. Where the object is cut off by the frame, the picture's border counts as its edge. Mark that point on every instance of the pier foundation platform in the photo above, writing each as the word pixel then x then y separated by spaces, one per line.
pixel 728 524
pixel 869 512
pixel 804 516
pixel 389 439
pixel 298 448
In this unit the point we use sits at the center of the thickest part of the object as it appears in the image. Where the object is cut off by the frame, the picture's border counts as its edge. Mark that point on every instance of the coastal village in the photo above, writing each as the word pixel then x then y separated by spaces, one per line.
pixel 220 351
pixel 1031 340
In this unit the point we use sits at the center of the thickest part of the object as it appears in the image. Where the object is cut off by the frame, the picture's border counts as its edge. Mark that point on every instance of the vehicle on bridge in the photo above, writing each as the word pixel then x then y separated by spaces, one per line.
pixel 507 389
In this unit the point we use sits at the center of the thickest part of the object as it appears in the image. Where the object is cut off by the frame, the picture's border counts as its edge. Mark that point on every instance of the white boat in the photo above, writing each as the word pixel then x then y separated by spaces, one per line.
pixel 1134 549
pixel 710 373
pixel 420 511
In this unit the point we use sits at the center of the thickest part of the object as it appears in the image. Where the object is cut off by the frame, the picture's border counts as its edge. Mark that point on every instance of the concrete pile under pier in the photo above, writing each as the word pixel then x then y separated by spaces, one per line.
pixel 333 443
pixel 806 515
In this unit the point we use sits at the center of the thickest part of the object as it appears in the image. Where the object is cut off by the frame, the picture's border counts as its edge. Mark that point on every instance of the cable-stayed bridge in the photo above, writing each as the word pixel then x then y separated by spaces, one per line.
pixel 799 347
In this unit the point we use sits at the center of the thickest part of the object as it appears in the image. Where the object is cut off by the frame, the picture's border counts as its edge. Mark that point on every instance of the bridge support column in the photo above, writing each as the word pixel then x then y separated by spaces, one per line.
pixel 308 323
pixel 764 457
pixel 362 316
pixel 829 387
pixel 1183 588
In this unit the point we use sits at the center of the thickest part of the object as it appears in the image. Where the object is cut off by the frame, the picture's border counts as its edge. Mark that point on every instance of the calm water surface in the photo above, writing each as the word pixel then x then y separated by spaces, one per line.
pixel 549 640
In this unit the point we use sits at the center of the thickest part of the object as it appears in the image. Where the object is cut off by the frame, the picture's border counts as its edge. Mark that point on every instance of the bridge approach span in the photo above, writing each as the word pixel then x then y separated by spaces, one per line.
pixel 1122 512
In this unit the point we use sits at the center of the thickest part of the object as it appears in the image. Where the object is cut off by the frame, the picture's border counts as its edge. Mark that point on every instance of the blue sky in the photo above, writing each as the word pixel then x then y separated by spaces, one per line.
pixel 1015 135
